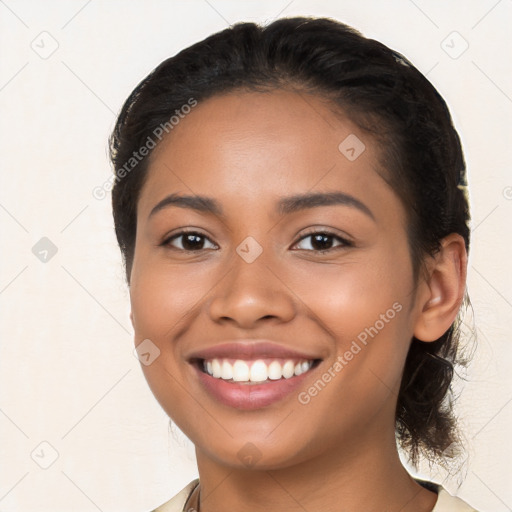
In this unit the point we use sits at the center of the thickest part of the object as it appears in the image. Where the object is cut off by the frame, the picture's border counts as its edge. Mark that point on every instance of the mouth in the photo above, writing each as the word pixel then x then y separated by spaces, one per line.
pixel 255 371
pixel 252 375
pixel 253 384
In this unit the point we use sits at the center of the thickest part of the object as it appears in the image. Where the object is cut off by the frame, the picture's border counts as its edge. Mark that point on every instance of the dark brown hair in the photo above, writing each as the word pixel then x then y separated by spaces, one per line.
pixel 385 95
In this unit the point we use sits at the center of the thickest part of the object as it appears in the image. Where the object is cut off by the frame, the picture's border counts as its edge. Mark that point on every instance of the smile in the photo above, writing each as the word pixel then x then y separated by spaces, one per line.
pixel 252 374
pixel 259 370
pixel 247 394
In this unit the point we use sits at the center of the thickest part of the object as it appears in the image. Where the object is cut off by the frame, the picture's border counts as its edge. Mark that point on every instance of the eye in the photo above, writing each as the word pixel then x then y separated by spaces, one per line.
pixel 189 241
pixel 322 241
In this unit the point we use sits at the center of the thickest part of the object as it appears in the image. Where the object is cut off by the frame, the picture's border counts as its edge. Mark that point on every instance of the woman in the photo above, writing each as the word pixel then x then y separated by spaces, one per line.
pixel 289 202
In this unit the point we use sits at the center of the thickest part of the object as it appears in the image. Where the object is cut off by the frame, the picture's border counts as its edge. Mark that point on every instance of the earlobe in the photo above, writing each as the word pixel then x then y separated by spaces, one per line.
pixel 444 290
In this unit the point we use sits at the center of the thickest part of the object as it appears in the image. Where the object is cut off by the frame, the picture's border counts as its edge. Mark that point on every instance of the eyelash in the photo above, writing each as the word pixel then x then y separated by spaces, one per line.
pixel 344 242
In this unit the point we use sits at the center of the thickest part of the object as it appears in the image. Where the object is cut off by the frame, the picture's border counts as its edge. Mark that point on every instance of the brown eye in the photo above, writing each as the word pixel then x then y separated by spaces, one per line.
pixel 189 241
pixel 322 242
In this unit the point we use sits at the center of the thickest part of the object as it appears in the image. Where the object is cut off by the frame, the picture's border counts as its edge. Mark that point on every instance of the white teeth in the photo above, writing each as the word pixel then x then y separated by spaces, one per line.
pixel 258 371
pixel 240 371
pixel 227 371
pixel 275 371
pixel 288 369
pixel 216 369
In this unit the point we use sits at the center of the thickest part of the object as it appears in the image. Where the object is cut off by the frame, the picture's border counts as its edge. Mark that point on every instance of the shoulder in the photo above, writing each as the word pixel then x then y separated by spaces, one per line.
pixel 448 503
pixel 177 503
pixel 445 501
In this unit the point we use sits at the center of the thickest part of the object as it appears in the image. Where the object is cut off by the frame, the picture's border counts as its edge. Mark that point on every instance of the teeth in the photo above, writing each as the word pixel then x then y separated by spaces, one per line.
pixel 216 369
pixel 288 369
pixel 275 371
pixel 257 371
pixel 240 371
pixel 227 371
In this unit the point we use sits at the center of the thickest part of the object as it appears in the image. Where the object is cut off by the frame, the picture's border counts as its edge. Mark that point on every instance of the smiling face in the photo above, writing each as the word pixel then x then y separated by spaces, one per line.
pixel 297 253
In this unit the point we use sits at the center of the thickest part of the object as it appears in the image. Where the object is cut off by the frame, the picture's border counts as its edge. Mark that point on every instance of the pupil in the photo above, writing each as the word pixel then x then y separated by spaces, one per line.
pixel 192 242
pixel 322 242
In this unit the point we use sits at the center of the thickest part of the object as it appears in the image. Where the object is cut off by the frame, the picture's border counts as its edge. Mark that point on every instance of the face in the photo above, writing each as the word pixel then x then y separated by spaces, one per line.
pixel 272 254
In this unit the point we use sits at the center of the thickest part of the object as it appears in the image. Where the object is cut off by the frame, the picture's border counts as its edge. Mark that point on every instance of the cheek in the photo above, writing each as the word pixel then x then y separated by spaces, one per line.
pixel 349 298
pixel 164 296
pixel 163 302
pixel 365 311
pixel 166 300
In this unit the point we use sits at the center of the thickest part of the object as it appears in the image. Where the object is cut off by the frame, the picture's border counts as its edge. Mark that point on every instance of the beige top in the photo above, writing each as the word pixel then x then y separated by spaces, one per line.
pixel 445 502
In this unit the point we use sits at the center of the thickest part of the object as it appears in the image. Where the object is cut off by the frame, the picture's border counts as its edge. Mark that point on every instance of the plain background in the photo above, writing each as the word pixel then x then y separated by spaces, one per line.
pixel 69 379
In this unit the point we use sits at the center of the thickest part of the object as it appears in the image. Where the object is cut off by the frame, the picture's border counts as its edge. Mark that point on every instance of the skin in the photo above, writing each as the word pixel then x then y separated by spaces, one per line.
pixel 248 150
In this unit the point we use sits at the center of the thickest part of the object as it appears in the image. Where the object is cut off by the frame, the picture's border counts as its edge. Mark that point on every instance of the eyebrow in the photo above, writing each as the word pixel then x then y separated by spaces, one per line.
pixel 285 205
pixel 304 201
pixel 198 203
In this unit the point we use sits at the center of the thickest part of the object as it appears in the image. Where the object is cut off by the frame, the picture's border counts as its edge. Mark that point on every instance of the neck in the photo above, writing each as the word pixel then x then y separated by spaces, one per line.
pixel 366 475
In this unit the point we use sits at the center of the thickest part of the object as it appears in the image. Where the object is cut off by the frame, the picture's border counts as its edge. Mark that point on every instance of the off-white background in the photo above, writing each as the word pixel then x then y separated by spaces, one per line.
pixel 68 374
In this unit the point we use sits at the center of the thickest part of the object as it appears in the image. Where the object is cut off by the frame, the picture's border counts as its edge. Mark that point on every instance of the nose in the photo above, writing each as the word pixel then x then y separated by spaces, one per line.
pixel 251 294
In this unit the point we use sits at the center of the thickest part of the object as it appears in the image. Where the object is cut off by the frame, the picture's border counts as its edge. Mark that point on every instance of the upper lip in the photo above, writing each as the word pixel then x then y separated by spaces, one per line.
pixel 250 349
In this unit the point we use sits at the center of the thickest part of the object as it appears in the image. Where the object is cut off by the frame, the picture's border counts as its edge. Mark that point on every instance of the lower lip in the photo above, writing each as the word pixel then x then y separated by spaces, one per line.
pixel 250 396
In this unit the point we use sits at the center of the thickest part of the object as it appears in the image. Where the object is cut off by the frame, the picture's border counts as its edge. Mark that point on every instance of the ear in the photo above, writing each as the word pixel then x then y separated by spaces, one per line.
pixel 442 294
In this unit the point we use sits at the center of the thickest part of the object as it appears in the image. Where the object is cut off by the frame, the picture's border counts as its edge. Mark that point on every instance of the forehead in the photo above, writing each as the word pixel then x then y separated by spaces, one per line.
pixel 250 145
